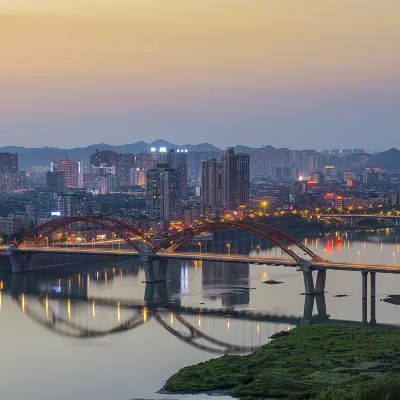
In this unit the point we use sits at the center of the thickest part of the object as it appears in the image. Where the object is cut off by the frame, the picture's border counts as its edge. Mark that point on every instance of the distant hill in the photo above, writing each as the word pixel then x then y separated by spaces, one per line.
pixel 243 149
pixel 29 157
pixel 389 159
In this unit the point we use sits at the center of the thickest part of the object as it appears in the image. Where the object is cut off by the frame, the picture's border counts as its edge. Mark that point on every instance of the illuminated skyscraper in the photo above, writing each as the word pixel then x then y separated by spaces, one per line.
pixel 175 159
pixel 73 172
pixel 124 164
pixel 235 179
pixel 211 182
pixel 163 194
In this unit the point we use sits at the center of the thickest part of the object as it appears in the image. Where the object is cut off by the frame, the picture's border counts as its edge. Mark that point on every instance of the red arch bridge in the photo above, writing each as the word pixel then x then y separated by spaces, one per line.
pixel 125 240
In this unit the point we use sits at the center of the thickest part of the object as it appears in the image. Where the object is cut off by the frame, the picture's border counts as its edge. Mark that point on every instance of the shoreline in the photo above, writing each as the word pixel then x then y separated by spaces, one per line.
pixel 299 364
pixel 213 393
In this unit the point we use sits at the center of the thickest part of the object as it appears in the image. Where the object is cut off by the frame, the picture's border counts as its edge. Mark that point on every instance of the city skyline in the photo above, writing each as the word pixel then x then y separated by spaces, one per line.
pixel 290 74
pixel 161 143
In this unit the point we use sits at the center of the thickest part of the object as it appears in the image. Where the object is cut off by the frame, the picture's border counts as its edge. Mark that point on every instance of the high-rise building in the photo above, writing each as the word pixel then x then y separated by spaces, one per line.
pixel 73 172
pixel 235 169
pixel 12 180
pixel 8 162
pixel 195 160
pixel 124 164
pixel 113 183
pixel 163 156
pixel 103 162
pixel 71 205
pixel 176 159
pixel 108 157
pixel 137 177
pixel 56 182
pixel 181 165
pixel 93 182
pixel 371 177
pixel 349 177
pixel 144 161
pixel 282 173
pixel 163 194
pixel 211 183
pixel 318 178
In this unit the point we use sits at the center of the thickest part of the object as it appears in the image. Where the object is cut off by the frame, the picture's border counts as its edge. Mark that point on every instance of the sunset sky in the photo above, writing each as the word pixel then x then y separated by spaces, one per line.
pixel 296 73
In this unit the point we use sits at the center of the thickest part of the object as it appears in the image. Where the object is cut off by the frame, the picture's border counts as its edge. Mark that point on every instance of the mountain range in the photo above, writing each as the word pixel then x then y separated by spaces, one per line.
pixel 43 156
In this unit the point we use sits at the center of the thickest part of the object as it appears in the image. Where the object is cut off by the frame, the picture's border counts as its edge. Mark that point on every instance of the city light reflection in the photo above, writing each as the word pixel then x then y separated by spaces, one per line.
pixel 47 306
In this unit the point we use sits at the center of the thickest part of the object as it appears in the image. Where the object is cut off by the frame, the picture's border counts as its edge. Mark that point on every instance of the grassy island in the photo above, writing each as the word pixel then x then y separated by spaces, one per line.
pixel 314 362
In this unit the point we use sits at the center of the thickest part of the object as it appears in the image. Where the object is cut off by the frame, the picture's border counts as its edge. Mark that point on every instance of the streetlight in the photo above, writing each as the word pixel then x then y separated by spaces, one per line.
pixel 264 205
pixel 229 248
pixel 199 246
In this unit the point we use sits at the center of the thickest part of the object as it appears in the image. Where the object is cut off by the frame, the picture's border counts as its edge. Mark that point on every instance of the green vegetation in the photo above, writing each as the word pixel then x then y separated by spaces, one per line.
pixel 314 362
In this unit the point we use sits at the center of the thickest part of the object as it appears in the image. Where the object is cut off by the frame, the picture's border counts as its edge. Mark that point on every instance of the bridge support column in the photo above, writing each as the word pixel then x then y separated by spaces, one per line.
pixel 15 264
pixel 154 274
pixel 308 310
pixel 156 293
pixel 162 269
pixel 18 266
pixel 29 262
pixel 364 277
pixel 321 307
pixel 308 282
pixel 320 284
pixel 373 298
pixel 149 272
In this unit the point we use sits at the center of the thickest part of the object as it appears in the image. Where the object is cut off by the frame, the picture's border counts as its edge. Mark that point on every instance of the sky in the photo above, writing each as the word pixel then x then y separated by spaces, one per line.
pixel 294 73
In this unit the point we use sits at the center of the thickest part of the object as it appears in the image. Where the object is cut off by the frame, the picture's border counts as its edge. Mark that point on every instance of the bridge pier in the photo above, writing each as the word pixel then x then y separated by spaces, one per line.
pixel 16 265
pixel 373 298
pixel 156 293
pixel 154 273
pixel 364 284
pixel 308 309
pixel 308 282
pixel 319 288
pixel 321 307
pixel 309 302
pixel 321 279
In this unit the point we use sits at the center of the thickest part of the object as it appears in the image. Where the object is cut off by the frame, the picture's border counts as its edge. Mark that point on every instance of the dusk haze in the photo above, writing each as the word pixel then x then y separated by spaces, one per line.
pixel 304 73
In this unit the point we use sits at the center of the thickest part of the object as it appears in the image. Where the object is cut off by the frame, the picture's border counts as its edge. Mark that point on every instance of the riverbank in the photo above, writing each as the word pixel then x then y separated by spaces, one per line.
pixel 306 363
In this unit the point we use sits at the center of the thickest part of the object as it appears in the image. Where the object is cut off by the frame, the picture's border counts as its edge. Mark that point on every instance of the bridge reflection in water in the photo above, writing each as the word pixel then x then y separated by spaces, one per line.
pixel 62 305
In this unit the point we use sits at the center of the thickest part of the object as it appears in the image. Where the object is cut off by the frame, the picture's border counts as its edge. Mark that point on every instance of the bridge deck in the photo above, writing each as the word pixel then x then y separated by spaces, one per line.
pixel 252 259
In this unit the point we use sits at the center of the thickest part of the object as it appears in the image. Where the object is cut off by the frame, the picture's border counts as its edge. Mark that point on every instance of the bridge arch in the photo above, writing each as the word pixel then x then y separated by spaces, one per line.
pixel 221 347
pixel 120 228
pixel 376 217
pixel 271 234
pixel 343 220
pixel 65 325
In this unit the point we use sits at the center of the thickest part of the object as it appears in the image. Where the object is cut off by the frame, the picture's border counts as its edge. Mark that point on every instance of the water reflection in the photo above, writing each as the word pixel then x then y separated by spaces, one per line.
pixel 67 313
pixel 140 335
pixel 63 305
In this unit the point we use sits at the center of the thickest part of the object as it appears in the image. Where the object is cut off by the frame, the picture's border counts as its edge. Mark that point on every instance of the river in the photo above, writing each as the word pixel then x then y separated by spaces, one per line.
pixel 96 332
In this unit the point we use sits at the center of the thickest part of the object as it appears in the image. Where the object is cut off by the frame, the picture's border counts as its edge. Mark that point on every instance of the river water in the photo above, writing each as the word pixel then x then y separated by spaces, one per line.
pixel 96 332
